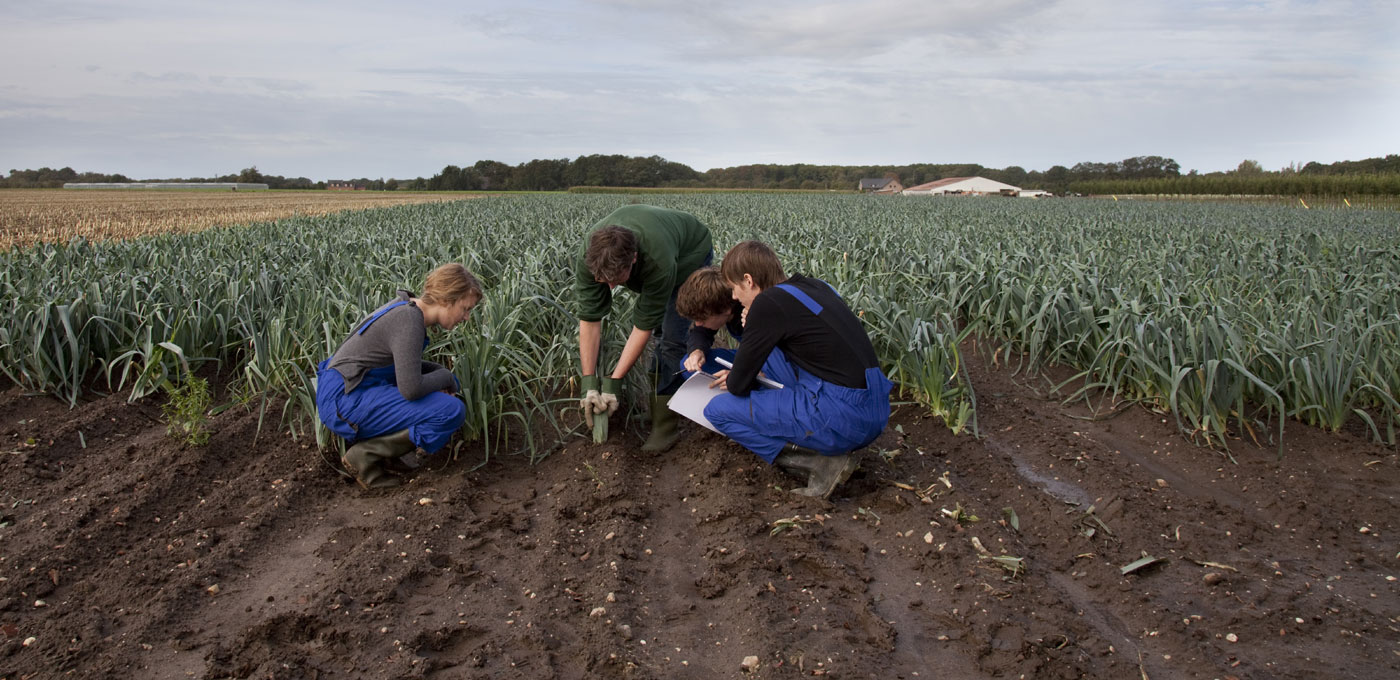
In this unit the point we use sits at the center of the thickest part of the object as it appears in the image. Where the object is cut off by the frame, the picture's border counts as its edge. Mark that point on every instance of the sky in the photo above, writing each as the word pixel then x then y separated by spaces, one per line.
pixel 349 89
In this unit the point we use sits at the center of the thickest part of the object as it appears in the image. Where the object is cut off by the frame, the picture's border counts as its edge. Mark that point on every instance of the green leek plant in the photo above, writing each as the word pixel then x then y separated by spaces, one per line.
pixel 1212 312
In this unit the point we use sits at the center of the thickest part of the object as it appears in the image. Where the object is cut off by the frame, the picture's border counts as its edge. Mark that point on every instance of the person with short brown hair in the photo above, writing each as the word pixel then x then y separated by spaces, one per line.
pixel 755 260
pixel 707 300
pixel 611 252
pixel 798 332
pixel 378 394
pixel 664 247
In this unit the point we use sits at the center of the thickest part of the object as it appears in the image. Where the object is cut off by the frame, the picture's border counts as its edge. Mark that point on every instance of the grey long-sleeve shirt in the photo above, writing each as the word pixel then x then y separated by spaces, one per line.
pixel 396 339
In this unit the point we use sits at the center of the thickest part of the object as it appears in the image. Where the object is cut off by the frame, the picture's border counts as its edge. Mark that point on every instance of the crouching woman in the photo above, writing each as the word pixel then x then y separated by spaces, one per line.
pixel 798 332
pixel 379 394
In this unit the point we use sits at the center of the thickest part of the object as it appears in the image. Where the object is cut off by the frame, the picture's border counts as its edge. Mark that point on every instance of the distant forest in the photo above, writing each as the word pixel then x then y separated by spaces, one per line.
pixel 49 178
pixel 1137 175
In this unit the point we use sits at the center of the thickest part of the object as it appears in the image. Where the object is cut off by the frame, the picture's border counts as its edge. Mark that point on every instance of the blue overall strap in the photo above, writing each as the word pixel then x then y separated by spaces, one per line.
pixel 376 315
pixel 802 297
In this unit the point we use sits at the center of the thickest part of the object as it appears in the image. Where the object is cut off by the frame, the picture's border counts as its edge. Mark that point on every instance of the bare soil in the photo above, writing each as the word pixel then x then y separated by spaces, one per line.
pixel 125 554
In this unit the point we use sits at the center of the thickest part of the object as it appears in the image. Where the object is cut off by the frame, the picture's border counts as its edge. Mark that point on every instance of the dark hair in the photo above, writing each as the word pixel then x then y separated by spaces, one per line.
pixel 611 250
pixel 704 294
pixel 756 259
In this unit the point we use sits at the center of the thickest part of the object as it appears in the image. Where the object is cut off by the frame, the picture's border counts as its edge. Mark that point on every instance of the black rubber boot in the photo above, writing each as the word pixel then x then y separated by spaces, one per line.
pixel 364 459
pixel 665 425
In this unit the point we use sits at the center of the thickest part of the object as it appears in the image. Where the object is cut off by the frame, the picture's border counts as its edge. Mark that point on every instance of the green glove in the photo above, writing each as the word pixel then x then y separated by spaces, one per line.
pixel 595 413
pixel 604 403
pixel 588 397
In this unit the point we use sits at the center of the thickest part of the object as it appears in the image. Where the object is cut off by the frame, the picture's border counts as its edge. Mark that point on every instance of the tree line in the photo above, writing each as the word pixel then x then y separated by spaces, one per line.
pixel 654 171
pixel 1161 174
pixel 49 178
pixel 1139 174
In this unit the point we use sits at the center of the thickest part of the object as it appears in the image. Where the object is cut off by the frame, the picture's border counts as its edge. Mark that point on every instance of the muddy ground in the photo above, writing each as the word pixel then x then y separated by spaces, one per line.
pixel 124 554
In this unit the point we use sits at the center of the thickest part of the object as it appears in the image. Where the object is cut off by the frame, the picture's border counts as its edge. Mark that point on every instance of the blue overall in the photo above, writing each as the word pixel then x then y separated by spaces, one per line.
pixel 807 411
pixel 375 407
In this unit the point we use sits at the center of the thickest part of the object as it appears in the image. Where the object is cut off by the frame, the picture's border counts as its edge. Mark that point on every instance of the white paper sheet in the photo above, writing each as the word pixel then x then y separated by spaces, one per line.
pixel 692 397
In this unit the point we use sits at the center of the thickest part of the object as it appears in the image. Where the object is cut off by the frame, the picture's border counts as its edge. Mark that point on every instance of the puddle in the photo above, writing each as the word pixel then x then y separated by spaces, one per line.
pixel 1064 491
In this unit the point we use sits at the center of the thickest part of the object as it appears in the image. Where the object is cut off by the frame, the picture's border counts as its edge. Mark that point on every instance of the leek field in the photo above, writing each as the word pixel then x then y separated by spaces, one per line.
pixel 1238 321
pixel 1054 496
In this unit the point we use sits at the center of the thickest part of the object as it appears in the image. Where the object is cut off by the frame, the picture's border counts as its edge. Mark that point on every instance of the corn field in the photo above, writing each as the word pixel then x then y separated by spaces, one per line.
pixel 1233 319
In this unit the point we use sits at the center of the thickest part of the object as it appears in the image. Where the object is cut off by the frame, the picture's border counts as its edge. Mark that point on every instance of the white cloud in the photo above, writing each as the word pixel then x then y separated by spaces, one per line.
pixel 369 88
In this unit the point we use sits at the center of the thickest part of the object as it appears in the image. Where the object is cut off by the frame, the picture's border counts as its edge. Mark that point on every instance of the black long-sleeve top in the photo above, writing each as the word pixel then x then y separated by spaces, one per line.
pixel 703 339
pixel 827 341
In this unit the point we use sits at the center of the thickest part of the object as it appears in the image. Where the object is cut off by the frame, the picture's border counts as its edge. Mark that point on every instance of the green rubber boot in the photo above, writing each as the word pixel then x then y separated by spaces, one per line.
pixel 364 459
pixel 665 425
pixel 796 460
pixel 823 473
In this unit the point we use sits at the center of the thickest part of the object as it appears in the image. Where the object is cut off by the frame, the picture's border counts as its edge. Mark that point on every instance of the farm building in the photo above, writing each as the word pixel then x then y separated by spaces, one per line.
pixel 975 186
pixel 337 185
pixel 880 185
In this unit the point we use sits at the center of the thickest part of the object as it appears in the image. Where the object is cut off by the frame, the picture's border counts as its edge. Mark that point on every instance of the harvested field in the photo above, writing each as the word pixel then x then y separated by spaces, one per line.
pixel 29 216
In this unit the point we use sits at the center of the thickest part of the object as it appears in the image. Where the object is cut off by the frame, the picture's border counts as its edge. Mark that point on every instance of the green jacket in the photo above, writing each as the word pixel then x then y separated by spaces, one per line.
pixel 670 245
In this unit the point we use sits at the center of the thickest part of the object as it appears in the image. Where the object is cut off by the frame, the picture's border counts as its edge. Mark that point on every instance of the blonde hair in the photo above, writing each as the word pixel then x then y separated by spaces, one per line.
pixel 449 284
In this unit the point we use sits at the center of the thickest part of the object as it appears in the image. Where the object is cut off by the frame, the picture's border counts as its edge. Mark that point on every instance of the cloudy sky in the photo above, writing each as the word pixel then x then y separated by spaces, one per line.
pixel 151 88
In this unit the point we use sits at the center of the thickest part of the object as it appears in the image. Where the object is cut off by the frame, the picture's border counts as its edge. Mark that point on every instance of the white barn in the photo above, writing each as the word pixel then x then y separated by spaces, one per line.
pixel 976 186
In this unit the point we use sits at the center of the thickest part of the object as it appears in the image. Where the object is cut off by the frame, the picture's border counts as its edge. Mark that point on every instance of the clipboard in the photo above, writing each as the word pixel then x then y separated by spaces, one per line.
pixel 693 395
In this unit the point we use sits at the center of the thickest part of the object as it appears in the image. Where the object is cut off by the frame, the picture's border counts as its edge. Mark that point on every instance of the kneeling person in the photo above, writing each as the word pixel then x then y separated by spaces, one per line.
pixel 798 332
pixel 708 301
pixel 378 394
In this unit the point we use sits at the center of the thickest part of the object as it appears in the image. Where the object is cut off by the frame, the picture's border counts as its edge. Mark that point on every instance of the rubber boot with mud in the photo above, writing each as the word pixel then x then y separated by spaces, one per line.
pixel 796 460
pixel 364 459
pixel 665 425
pixel 824 473
pixel 405 464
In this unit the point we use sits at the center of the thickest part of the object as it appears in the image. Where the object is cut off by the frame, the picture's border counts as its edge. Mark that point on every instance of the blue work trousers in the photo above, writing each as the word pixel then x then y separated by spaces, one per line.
pixel 807 411
pixel 375 408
